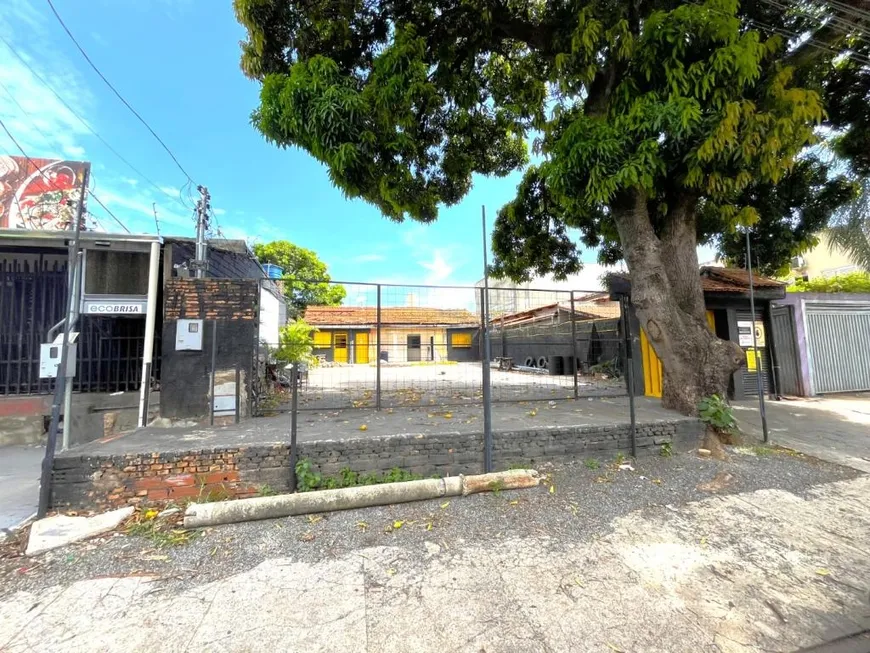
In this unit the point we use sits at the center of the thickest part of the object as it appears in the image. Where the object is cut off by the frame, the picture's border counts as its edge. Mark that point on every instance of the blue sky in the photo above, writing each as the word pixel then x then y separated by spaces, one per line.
pixel 176 62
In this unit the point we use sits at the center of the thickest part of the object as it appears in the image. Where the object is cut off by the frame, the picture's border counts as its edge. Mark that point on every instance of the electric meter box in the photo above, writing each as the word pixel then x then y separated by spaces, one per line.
pixel 188 335
pixel 49 358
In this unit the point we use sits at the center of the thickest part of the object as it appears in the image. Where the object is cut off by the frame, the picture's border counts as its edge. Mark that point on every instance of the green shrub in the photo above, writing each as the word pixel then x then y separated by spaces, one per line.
pixel 717 414
pixel 307 479
pixel 850 282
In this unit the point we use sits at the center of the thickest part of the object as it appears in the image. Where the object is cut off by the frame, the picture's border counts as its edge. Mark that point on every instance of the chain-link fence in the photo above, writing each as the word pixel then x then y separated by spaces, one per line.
pixel 388 346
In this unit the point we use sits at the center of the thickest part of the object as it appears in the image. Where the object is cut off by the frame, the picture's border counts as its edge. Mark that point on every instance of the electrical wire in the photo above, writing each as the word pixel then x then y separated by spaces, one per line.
pixel 117 94
pixel 87 126
pixel 21 149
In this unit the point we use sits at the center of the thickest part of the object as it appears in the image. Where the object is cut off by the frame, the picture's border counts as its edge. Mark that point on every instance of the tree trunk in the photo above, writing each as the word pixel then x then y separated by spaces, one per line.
pixel 668 300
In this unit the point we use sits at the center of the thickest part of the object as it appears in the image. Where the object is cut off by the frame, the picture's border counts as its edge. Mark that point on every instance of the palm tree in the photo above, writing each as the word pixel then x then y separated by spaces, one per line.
pixel 850 230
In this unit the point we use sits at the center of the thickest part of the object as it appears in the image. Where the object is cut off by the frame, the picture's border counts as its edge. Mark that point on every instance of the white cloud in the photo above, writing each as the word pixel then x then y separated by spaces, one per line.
pixel 220 211
pixel 439 268
pixel 74 151
pixel 130 181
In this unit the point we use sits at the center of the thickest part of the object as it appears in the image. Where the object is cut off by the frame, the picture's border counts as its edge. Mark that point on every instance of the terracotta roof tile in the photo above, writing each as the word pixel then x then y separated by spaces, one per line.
pixel 394 315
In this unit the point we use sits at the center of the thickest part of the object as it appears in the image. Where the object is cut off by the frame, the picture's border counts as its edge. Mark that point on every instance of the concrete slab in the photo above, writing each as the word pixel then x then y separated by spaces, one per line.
pixel 756 571
pixel 835 429
pixel 19 483
pixel 348 423
pixel 60 530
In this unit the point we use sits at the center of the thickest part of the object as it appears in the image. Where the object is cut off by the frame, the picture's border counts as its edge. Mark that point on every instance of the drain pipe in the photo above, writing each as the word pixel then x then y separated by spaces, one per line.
pixel 150 318
pixel 305 503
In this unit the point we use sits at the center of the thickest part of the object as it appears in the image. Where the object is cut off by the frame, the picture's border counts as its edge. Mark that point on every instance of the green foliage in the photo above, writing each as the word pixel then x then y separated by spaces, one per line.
pixel 301 267
pixel 790 215
pixel 609 368
pixel 295 342
pixel 849 231
pixel 266 490
pixel 852 282
pixel 591 463
pixel 308 480
pixel 666 450
pixel 717 414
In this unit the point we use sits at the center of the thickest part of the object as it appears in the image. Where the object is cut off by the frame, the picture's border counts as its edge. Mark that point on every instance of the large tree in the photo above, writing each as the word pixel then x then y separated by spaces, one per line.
pixel 306 280
pixel 650 119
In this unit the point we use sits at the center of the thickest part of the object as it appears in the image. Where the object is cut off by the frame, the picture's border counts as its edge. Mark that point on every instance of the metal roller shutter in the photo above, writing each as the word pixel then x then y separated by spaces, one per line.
pixel 838 340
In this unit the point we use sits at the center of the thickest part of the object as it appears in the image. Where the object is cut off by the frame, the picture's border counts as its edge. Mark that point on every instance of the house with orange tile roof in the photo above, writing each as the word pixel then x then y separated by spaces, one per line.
pixel 408 334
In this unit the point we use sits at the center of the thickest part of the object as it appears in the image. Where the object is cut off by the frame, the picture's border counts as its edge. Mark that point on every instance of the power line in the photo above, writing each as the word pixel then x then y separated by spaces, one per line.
pixel 88 126
pixel 115 91
pixel 87 190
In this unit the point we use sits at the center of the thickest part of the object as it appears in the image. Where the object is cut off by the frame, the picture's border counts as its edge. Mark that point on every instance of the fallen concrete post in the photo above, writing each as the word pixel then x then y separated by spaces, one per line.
pixel 304 503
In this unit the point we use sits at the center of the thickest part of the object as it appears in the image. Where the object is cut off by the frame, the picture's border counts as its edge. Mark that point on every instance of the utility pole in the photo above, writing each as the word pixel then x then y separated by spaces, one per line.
pixel 200 264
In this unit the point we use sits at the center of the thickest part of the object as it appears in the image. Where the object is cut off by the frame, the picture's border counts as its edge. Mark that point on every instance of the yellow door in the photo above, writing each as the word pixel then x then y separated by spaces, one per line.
pixel 340 347
pixel 653 374
pixel 361 342
pixel 652 368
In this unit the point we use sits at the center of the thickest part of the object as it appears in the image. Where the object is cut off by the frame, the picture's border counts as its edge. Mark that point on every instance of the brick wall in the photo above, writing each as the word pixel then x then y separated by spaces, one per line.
pixel 211 299
pixel 230 310
pixel 102 482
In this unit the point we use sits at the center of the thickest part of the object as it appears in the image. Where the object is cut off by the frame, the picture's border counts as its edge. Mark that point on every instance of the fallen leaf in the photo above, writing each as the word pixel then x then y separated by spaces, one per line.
pixel 307 537
pixel 552 489
pixel 823 572
pixel 213 551
pixel 429 526
pixel 448 415
pixel 391 572
pixel 398 524
pixel 532 413
pixel 445 504
pixel 612 647
pixel 313 519
pixel 515 502
pixel 362 526
pixel 657 481
pixel 363 427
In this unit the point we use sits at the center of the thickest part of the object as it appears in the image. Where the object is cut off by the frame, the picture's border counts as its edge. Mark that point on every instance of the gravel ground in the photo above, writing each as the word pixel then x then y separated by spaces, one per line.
pixel 578 504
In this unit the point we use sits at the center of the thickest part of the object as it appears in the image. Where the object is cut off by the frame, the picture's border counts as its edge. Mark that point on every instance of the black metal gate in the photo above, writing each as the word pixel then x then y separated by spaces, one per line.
pixel 785 345
pixel 33 297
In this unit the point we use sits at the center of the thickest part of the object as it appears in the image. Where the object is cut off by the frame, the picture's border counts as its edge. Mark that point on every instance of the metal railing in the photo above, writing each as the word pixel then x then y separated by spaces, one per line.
pixel 390 346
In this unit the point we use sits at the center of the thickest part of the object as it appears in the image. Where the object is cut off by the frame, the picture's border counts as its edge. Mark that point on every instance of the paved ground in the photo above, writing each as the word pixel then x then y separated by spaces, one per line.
pixel 834 428
pixel 340 386
pixel 19 483
pixel 764 552
pixel 345 424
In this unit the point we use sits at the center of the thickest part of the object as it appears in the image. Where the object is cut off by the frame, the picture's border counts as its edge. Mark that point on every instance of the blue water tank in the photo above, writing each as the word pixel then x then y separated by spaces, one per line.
pixel 273 271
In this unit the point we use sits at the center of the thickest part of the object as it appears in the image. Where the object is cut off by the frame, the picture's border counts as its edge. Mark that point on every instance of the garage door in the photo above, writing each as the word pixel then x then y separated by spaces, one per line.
pixel 839 347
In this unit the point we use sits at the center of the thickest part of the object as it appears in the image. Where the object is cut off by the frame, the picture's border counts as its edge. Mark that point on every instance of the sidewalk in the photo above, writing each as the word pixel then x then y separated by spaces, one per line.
pixel 607 560
pixel 834 428
pixel 19 483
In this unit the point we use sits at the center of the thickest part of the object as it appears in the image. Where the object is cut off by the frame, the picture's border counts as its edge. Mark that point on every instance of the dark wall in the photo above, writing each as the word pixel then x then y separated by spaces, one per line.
pixel 598 341
pixel 225 262
pixel 464 354
pixel 229 308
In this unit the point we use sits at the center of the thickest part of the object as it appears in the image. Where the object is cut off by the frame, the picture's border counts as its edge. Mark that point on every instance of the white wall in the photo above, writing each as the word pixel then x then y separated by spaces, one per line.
pixel 270 317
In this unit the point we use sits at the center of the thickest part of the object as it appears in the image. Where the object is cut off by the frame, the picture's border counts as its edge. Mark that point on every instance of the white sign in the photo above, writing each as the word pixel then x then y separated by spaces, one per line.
pixel 744 333
pixel 114 307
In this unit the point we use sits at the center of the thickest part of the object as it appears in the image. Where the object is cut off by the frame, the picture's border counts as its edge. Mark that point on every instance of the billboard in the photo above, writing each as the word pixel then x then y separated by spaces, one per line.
pixel 40 193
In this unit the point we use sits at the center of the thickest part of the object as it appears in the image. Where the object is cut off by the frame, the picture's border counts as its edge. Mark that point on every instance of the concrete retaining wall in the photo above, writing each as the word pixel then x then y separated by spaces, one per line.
pixel 97 482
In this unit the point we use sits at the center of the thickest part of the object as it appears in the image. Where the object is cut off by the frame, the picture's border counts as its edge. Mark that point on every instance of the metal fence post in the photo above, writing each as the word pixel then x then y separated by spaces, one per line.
pixel 238 394
pixel 629 370
pixel 378 354
pixel 213 365
pixel 574 347
pixel 487 389
pixel 294 404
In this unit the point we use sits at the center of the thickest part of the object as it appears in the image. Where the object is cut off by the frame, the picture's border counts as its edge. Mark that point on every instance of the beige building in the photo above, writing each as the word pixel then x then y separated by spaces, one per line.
pixel 409 334
pixel 822 261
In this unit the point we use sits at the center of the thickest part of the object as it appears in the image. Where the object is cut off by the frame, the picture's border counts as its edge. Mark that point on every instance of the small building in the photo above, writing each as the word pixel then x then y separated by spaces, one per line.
pixel 349 334
pixel 822 343
pixel 543 334
pixel 110 374
pixel 726 297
